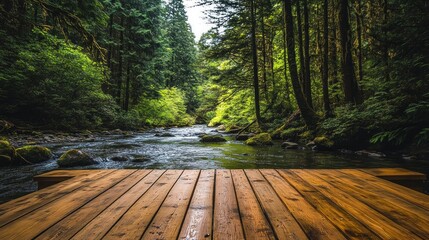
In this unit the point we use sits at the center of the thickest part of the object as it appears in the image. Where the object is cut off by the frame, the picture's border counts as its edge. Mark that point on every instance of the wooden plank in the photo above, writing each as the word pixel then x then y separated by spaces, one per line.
pixel 254 222
pixel 19 207
pixel 169 218
pixel 345 222
pixel 56 176
pixel 199 218
pixel 410 195
pixel 400 211
pixel 100 225
pixel 226 223
pixel 377 222
pixel 70 225
pixel 313 223
pixel 35 222
pixel 135 221
pixel 395 173
pixel 284 224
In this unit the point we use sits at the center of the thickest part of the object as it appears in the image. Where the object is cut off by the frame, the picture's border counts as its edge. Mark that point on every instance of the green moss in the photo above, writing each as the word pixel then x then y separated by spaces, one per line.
pixel 292 132
pixel 306 135
pixel 212 138
pixel 323 143
pixel 6 148
pixel 260 140
pixel 33 154
pixel 75 157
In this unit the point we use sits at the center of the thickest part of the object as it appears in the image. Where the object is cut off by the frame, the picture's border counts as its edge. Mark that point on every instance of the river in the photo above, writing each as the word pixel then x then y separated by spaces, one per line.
pixel 183 150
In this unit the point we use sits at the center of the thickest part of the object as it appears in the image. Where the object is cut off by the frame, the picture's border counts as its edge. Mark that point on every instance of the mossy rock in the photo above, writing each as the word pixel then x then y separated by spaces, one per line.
pixel 262 139
pixel 323 143
pixel 7 149
pixel 292 133
pixel 212 138
pixel 75 157
pixel 33 154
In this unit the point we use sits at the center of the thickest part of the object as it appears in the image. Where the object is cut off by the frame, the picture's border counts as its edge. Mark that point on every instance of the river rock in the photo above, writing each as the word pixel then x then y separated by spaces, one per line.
pixel 243 137
pixel 164 135
pixel 119 158
pixel 75 157
pixel 221 128
pixel 212 138
pixel 33 154
pixel 322 143
pixel 290 145
pixel 262 139
pixel 141 159
pixel 370 154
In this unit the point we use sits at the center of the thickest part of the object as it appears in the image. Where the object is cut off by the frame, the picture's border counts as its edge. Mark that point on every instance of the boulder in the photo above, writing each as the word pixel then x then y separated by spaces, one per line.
pixel 290 145
pixel 322 143
pixel 262 139
pixel 212 138
pixel 33 154
pixel 75 157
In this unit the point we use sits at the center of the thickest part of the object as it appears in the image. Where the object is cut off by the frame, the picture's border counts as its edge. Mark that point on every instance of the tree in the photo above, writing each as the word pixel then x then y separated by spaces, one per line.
pixel 307 113
pixel 325 70
pixel 255 62
pixel 351 89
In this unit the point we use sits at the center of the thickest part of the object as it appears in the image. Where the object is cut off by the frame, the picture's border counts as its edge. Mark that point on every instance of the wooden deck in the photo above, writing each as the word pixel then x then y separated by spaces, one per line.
pixel 217 204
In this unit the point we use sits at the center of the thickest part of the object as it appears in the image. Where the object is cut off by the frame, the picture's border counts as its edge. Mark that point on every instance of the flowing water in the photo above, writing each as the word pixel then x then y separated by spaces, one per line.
pixel 183 150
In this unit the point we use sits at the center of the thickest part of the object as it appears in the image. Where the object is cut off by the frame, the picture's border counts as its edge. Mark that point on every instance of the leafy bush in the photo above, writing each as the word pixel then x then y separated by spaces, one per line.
pixel 167 110
pixel 54 83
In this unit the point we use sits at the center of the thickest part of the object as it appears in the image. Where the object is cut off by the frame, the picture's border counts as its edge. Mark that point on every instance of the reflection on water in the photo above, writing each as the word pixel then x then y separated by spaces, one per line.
pixel 184 151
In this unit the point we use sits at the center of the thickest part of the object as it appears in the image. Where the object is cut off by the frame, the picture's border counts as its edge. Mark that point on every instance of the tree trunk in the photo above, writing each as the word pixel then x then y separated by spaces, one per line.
pixel 300 46
pixel 351 89
pixel 119 76
pixel 307 113
pixel 264 55
pixel 359 38
pixel 325 71
pixel 284 53
pixel 255 63
pixel 307 67
pixel 129 62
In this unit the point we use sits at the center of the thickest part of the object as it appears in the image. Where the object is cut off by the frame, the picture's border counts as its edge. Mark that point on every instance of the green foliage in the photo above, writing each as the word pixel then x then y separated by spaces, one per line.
pixel 235 108
pixel 53 82
pixel 168 110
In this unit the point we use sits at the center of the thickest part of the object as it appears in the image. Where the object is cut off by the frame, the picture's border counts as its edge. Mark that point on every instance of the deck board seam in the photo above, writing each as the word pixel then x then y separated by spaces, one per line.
pixel 93 197
pixel 107 206
pixel 376 211
pixel 189 204
pixel 160 205
pixel 238 204
pixel 54 199
pixel 386 214
pixel 284 204
pixel 260 206
pixel 328 200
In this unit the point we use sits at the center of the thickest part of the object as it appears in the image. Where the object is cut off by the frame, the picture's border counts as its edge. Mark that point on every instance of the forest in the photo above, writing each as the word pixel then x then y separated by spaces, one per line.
pixel 352 74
